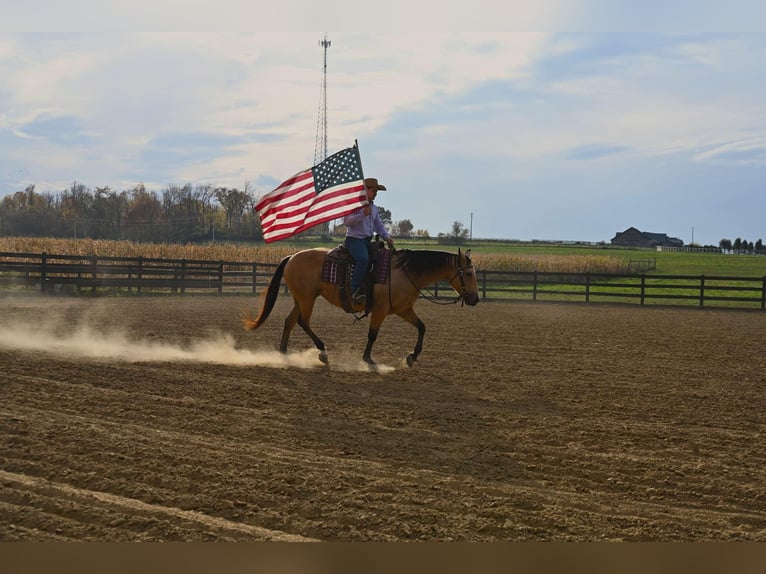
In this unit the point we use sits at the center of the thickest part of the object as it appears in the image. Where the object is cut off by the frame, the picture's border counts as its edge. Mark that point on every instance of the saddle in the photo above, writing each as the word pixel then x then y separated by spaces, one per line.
pixel 338 265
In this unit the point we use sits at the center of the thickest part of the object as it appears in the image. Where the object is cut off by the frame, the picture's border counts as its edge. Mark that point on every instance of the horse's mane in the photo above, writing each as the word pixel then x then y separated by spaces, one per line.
pixel 425 261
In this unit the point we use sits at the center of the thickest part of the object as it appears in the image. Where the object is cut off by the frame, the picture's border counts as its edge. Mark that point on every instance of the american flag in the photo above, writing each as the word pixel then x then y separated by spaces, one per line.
pixel 327 191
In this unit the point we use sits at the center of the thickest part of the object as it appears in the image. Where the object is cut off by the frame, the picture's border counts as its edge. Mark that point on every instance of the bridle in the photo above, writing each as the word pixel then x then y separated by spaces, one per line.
pixel 461 274
pixel 430 296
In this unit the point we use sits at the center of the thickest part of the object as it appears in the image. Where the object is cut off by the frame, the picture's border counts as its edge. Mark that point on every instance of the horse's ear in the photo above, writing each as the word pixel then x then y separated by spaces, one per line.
pixel 468 254
pixel 458 252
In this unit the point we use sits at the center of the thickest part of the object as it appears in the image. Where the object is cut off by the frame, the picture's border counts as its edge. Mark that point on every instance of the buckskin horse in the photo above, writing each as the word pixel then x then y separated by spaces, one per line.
pixel 410 272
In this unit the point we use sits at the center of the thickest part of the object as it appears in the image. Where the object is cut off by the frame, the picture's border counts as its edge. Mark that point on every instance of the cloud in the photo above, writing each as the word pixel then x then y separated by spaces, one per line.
pixel 594 151
pixel 744 150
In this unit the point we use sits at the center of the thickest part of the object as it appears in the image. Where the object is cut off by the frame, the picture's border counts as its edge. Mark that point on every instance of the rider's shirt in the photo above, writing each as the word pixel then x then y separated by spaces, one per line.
pixel 363 226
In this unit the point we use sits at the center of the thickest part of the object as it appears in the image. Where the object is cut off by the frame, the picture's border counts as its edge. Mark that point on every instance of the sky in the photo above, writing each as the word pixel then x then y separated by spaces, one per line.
pixel 565 121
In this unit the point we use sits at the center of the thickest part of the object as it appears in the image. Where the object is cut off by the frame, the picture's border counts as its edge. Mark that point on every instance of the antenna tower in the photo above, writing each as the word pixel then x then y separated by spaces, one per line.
pixel 320 145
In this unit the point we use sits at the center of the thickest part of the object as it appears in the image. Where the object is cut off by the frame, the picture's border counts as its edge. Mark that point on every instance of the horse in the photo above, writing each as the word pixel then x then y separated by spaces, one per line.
pixel 410 272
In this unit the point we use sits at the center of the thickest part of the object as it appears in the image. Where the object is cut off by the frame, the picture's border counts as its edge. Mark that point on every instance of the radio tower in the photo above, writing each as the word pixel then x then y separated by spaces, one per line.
pixel 320 145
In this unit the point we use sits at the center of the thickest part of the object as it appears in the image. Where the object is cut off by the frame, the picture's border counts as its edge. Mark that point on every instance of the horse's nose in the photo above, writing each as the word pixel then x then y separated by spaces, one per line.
pixel 473 299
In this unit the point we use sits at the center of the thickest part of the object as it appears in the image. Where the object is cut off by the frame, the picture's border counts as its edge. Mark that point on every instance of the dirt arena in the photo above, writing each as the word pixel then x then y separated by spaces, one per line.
pixel 159 418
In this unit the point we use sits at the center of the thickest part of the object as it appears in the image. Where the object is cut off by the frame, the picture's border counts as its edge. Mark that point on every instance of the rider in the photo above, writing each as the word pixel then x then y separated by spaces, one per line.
pixel 360 227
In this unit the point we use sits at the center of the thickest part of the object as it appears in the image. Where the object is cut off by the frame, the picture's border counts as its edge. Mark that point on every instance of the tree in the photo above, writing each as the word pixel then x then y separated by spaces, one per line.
pixel 143 214
pixel 725 244
pixel 457 236
pixel 235 203
pixel 385 215
pixel 28 213
pixel 403 228
pixel 737 244
pixel 109 208
pixel 758 246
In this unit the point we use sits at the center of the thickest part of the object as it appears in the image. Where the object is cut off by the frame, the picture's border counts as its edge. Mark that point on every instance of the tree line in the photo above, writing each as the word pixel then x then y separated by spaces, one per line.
pixel 740 245
pixel 179 213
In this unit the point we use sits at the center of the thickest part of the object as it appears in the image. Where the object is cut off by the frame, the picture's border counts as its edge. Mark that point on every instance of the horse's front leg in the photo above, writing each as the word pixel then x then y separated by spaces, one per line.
pixel 372 335
pixel 412 318
pixel 376 320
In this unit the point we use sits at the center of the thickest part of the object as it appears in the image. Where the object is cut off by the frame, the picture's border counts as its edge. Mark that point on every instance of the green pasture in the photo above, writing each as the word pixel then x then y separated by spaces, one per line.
pixel 667 263
pixel 657 289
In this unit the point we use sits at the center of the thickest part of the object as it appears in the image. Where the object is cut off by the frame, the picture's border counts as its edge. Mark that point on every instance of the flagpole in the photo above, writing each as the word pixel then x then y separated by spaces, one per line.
pixel 361 167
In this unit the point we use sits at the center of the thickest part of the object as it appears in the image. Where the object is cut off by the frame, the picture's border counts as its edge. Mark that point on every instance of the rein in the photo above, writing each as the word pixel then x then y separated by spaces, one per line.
pixel 431 297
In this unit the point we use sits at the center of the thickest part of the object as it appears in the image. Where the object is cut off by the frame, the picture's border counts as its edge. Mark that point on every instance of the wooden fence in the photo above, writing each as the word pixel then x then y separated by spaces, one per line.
pixel 57 273
pixel 52 273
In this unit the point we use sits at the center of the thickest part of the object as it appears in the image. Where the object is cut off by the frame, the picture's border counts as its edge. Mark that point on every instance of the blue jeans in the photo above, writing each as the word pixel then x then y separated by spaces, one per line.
pixel 359 251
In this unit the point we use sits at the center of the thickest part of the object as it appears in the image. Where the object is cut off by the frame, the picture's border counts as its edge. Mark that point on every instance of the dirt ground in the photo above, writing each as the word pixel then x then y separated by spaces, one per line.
pixel 159 418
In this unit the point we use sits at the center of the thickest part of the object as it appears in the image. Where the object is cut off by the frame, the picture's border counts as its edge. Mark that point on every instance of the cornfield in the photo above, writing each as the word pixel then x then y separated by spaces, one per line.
pixel 111 248
pixel 575 263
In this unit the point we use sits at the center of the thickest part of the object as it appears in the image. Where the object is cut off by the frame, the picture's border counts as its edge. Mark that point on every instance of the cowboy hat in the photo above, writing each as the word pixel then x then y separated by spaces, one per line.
pixel 372 183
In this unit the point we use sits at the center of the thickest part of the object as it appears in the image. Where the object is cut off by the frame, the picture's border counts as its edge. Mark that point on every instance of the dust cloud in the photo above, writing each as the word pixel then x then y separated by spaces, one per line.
pixel 88 343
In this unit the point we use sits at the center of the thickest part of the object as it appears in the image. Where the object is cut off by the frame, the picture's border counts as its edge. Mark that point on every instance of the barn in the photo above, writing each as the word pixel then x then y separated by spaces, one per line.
pixel 633 237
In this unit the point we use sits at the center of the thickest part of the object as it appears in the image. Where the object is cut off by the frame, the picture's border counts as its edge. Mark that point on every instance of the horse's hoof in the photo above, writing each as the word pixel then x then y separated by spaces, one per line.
pixel 410 360
pixel 372 365
pixel 324 358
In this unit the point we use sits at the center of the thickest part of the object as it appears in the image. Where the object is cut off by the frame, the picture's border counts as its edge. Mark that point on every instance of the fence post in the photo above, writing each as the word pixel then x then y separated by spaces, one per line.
pixel 587 286
pixel 643 287
pixel 94 272
pixel 534 285
pixel 484 283
pixel 763 294
pixel 140 272
pixel 183 276
pixel 43 272
pixel 255 277
pixel 702 290
pixel 220 277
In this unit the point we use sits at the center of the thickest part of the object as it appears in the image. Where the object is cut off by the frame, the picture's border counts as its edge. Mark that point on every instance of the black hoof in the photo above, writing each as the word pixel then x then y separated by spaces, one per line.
pixel 324 358
pixel 371 364
pixel 410 360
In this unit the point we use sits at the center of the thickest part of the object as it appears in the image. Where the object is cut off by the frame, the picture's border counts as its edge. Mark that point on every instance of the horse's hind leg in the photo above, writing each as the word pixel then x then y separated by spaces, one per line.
pixel 301 314
pixel 290 321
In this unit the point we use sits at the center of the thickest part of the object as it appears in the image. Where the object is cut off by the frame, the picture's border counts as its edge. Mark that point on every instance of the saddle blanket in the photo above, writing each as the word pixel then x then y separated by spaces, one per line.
pixel 338 266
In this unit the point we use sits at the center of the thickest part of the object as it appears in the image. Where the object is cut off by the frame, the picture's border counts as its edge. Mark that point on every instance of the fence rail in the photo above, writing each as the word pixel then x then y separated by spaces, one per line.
pixel 51 273
pixel 54 273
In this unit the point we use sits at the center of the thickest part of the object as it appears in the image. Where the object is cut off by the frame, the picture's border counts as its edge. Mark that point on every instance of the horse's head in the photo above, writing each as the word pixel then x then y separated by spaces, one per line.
pixel 465 281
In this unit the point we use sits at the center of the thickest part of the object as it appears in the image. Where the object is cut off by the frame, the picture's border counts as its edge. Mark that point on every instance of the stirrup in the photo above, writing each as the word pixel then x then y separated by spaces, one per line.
pixel 358 297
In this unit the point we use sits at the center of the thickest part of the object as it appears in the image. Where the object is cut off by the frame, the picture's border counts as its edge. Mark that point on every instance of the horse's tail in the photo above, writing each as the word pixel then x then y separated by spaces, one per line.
pixel 272 293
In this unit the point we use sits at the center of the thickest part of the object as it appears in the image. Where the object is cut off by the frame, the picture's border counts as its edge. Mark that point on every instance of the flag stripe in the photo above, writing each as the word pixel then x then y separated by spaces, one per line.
pixel 300 182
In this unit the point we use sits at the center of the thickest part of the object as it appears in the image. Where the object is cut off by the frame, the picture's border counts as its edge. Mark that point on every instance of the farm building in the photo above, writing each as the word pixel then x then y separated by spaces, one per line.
pixel 632 237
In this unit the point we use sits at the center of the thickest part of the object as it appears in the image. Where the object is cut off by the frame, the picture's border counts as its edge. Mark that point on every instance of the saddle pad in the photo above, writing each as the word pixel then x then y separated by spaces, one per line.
pixel 382 265
pixel 337 266
pixel 334 270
